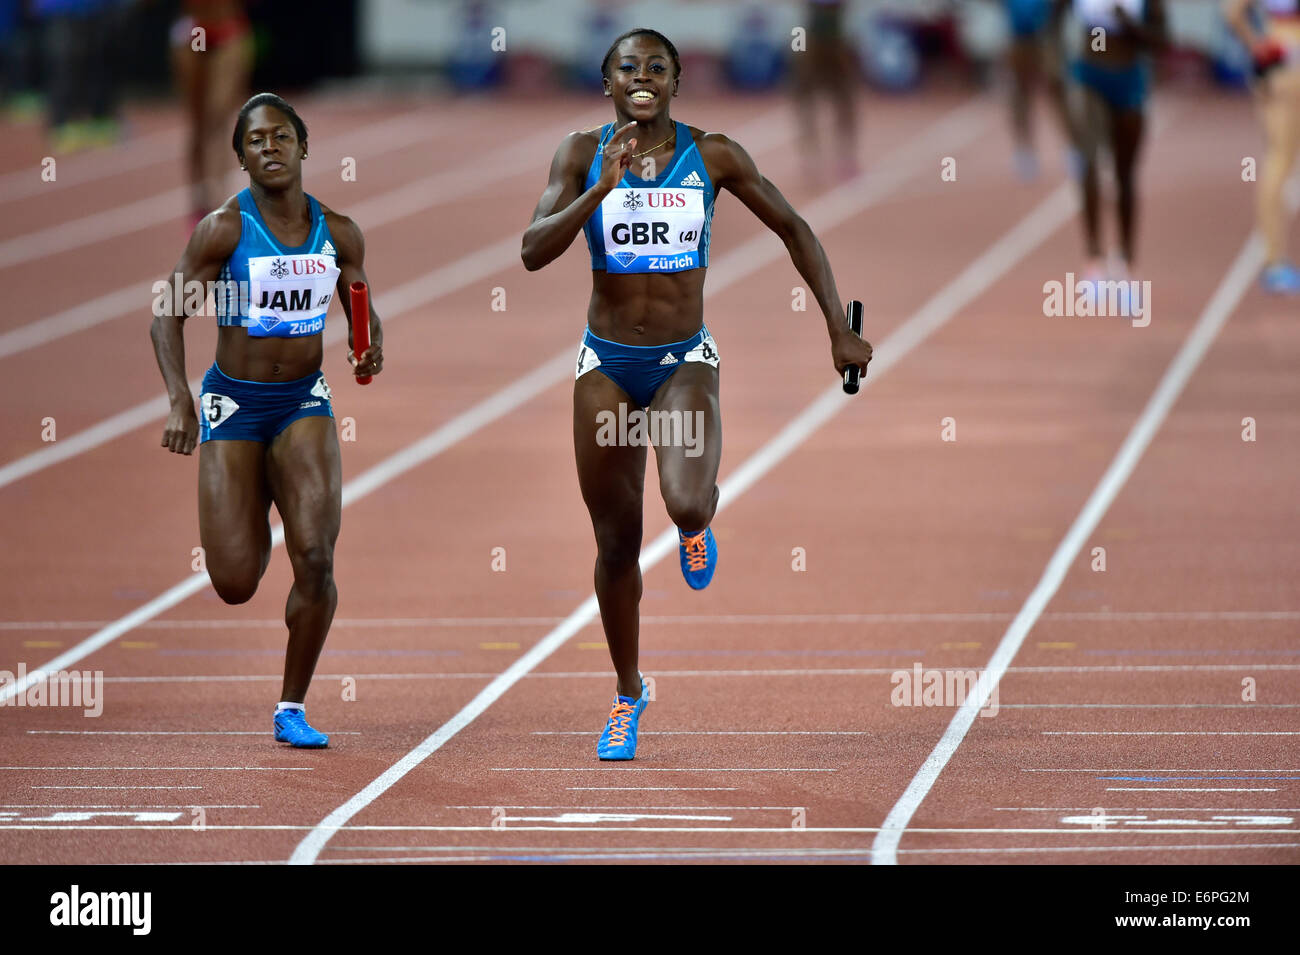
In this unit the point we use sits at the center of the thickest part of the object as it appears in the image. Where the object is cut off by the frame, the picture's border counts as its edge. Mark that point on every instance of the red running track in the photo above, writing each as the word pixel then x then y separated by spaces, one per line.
pixel 1122 734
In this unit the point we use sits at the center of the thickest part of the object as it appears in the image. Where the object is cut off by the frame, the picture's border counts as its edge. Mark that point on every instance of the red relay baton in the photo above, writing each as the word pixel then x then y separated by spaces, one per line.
pixel 360 324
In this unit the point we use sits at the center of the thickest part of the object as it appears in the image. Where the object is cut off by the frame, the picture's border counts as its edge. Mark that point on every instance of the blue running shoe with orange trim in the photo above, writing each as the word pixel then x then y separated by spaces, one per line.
pixel 291 727
pixel 618 740
pixel 699 557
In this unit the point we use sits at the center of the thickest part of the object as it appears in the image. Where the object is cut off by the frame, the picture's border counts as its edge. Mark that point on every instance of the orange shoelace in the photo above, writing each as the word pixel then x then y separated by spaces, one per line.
pixel 619 716
pixel 697 551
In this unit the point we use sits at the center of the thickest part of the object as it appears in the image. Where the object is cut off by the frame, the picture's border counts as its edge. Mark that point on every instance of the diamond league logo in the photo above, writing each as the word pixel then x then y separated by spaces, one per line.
pixel 624 258
pixel 633 201
pixel 278 269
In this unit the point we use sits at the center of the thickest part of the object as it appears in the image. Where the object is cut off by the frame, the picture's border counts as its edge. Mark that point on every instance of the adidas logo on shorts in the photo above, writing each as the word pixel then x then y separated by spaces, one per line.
pixel 668 359
pixel 693 179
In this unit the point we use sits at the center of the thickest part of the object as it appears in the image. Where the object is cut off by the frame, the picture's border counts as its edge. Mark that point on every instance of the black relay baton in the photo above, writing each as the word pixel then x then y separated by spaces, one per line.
pixel 851 373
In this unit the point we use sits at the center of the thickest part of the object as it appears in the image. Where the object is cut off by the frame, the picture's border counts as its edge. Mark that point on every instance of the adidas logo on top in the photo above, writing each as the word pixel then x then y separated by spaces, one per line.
pixel 328 249
pixel 693 179
pixel 668 359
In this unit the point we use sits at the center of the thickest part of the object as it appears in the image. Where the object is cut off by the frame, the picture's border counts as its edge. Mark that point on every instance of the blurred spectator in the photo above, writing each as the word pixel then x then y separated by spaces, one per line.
pixel 80 52
pixel 826 68
pixel 212 59
pixel 19 58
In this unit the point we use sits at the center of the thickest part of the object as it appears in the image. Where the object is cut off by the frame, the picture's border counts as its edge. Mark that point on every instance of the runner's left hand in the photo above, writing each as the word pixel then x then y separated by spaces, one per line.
pixel 848 349
pixel 371 361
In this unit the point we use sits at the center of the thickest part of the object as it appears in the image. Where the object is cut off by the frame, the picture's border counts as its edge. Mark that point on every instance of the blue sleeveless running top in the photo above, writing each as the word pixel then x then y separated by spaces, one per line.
pixel 274 291
pixel 653 225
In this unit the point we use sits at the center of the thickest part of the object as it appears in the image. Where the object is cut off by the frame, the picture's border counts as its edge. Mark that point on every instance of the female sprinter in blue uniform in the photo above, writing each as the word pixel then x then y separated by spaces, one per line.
pixel 1114 77
pixel 267 428
pixel 643 188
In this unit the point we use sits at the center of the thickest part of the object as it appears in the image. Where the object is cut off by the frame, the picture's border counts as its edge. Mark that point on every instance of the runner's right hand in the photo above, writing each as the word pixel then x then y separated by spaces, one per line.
pixel 617 157
pixel 182 429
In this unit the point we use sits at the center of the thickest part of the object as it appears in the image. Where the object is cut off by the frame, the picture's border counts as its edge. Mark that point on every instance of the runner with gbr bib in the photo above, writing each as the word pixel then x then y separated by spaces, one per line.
pixel 659 226
pixel 642 191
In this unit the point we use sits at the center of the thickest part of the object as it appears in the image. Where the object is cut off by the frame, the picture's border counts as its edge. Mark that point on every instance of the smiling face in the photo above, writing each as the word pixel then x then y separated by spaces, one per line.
pixel 641 78
pixel 272 151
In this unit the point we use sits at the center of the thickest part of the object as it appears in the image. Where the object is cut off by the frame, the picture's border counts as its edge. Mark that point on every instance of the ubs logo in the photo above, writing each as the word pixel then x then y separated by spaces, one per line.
pixel 278 269
pixel 633 201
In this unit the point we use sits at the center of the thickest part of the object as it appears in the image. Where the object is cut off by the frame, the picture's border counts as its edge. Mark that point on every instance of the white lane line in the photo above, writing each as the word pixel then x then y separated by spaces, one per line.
pixel 1148 706
pixel 653 789
pixel 422 623
pixel 462 426
pixel 167 733
pixel 1160 770
pixel 116 787
pixel 1170 733
pixel 717 733
pixel 1080 832
pixel 1254 809
pixel 109 805
pixel 156 769
pixel 624 808
pixel 1232 287
pixel 592 674
pixel 1155 848
pixel 1181 789
pixel 649 769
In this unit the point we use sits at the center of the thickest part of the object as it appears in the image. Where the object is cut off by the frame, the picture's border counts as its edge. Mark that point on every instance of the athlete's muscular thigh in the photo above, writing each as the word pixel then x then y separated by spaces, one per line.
pixel 234 501
pixel 306 478
pixel 690 443
pixel 611 476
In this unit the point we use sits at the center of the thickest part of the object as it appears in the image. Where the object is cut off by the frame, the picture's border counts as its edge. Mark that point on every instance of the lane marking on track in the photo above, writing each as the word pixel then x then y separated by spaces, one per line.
pixel 1155 848
pixel 116 787
pixel 1170 733
pixel 1160 770
pixel 107 805
pixel 420 623
pixel 1080 832
pixel 1181 789
pixel 168 733
pixel 1139 809
pixel 1147 706
pixel 154 769
pixel 617 808
pixel 717 733
pixel 1234 284
pixel 653 789
pixel 650 769
pixel 960 125
pixel 584 674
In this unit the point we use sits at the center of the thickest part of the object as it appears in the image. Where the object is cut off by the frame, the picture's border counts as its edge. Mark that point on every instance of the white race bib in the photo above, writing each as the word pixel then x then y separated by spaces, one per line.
pixel 290 294
pixel 652 230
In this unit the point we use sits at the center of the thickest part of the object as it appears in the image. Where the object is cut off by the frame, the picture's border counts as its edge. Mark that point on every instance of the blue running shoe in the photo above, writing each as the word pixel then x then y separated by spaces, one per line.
pixel 1281 279
pixel 291 727
pixel 699 555
pixel 618 741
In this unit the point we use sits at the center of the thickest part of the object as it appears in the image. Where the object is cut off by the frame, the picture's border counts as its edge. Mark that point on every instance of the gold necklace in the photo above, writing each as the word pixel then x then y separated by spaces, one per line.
pixel 653 148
